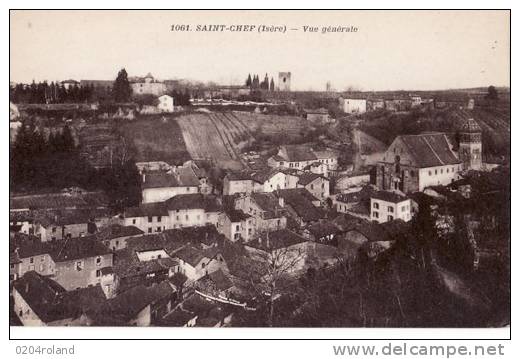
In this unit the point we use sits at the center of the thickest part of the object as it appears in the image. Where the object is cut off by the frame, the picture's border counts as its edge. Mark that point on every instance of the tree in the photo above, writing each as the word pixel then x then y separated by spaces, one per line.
pixel 492 93
pixel 271 86
pixel 270 274
pixel 121 90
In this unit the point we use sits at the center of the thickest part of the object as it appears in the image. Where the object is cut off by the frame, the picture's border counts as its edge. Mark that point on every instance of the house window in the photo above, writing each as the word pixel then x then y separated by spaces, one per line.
pixel 312 186
pixel 236 235
pixel 159 218
pixel 41 267
pixel 390 218
pixel 150 219
pixel 203 265
pixel 390 209
pixel 187 217
pixel 133 221
pixel 429 173
pixel 237 228
pixel 98 261
pixel 158 229
pixel 98 273
pixel 149 229
pixel 442 170
pixel 403 208
pixel 188 189
pixel 79 266
pixel 42 259
pixel 53 229
pixel 177 218
pixel 376 205
pixel 435 171
pixel 31 260
pixel 375 214
pixel 31 267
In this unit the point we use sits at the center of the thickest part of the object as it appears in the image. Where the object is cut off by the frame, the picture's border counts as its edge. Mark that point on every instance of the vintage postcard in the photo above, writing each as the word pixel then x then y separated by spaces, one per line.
pixel 253 168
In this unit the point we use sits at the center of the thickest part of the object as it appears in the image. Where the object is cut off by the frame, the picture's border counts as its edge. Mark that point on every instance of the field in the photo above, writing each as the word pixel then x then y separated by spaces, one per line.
pixel 287 126
pixel 155 138
pixel 214 136
pixel 221 136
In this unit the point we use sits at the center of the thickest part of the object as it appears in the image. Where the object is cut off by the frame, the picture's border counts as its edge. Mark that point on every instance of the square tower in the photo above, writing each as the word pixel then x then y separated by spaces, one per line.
pixel 284 81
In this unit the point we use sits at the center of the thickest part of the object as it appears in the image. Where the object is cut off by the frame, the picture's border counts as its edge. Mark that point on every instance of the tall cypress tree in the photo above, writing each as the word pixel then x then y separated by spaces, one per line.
pixel 121 90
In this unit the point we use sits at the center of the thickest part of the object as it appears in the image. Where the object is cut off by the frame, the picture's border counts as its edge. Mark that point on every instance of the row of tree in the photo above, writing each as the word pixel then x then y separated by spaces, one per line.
pixel 43 92
pixel 255 84
pixel 39 162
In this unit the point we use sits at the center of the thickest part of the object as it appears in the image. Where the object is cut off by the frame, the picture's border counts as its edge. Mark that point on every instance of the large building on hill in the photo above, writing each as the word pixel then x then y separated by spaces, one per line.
pixel 413 162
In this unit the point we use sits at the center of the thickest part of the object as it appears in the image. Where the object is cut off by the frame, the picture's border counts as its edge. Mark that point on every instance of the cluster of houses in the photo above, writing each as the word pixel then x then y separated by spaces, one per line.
pixel 186 255
pixel 359 103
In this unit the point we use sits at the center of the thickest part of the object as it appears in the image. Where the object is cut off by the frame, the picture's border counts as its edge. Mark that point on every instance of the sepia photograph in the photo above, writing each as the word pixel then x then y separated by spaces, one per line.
pixel 260 168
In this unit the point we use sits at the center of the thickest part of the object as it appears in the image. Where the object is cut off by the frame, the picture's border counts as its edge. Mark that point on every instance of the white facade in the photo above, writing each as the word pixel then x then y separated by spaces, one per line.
pixel 435 176
pixel 166 103
pixel 383 211
pixel 352 105
pixel 163 193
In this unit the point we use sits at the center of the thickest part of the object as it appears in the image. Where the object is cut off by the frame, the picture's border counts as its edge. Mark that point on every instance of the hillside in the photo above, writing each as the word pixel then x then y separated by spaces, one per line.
pixel 494 121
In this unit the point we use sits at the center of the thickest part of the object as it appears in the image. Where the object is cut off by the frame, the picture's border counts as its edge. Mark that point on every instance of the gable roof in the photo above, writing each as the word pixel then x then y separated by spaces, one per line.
pixel 183 177
pixel 299 153
pixel 389 196
pixel 267 203
pixel 190 255
pixel 193 201
pixel 274 240
pixel 429 150
pixel 126 305
pixel 307 177
pixel 301 202
pixel 117 231
pixel 77 248
pixel 146 209
pixel 51 302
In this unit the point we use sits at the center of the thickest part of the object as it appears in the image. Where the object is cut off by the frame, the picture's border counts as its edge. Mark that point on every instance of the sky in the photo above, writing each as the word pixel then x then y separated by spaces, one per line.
pixel 392 50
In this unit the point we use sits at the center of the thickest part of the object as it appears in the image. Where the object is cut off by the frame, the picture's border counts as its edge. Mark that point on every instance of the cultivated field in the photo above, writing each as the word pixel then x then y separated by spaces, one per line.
pixel 215 136
pixel 290 126
pixel 155 138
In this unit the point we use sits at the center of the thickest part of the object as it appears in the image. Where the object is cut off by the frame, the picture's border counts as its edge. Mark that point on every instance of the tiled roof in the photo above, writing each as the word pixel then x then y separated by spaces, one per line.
pixel 183 177
pixel 388 196
pixel 278 239
pixel 76 248
pixel 147 209
pixel 60 251
pixel 59 201
pixel 209 203
pixel 51 302
pixel 429 150
pixel 126 305
pixel 299 153
pixel 308 177
pixel 266 201
pixel 221 281
pixel 319 230
pixel 190 255
pixel 301 201
pixel 237 215
pixel 118 231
